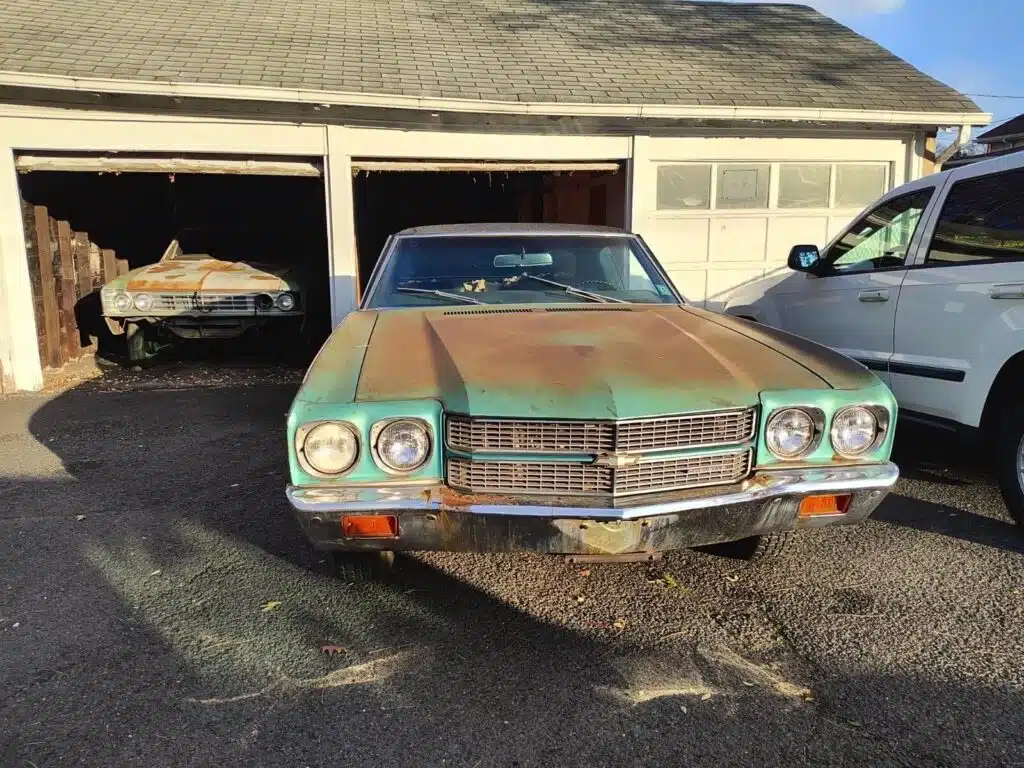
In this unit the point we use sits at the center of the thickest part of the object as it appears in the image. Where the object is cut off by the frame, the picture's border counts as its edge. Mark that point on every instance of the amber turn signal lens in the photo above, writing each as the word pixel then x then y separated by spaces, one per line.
pixel 369 526
pixel 813 506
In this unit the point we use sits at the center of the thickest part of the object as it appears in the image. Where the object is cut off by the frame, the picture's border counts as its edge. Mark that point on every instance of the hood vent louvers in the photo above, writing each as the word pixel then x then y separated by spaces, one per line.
pixel 589 309
pixel 485 311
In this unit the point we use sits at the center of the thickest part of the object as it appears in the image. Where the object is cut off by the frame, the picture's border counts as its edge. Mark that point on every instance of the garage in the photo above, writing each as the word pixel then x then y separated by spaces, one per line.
pixel 91 219
pixel 392 195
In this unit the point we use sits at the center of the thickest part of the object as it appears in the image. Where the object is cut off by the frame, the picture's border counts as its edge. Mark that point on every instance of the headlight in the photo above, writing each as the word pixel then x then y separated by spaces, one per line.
pixel 264 303
pixel 122 302
pixel 143 302
pixel 790 433
pixel 403 445
pixel 285 302
pixel 854 431
pixel 330 448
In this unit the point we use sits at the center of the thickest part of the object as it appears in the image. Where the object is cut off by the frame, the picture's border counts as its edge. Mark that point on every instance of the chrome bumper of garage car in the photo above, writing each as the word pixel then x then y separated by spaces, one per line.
pixel 432 517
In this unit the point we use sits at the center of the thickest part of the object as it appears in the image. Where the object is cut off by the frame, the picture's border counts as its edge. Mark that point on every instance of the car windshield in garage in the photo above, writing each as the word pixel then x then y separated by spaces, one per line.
pixel 516 269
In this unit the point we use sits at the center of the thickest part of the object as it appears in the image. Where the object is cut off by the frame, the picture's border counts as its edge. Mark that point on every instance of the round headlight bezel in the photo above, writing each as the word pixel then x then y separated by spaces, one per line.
pixel 283 298
pixel 302 438
pixel 377 431
pixel 879 431
pixel 140 299
pixel 128 304
pixel 816 419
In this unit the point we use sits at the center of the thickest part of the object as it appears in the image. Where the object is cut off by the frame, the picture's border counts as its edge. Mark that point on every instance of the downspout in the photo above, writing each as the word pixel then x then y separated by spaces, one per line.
pixel 963 138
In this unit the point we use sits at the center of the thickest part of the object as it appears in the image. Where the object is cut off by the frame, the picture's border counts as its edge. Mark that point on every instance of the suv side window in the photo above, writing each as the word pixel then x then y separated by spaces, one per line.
pixel 982 221
pixel 880 238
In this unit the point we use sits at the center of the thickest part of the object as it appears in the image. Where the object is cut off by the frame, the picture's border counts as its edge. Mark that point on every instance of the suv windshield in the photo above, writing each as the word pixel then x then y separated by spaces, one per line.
pixel 518 269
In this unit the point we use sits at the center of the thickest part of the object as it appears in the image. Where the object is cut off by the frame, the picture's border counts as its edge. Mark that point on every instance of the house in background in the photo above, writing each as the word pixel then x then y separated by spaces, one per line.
pixel 1006 138
pixel 723 133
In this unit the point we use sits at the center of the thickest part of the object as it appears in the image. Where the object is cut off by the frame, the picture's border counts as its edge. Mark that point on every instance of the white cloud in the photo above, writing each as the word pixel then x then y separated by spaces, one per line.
pixel 847 7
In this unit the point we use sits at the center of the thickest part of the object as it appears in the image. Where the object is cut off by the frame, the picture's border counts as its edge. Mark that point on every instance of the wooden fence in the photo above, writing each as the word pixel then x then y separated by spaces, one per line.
pixel 67 270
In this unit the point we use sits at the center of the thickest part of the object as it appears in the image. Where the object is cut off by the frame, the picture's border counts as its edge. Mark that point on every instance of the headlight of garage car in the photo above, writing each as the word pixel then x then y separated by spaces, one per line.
pixel 854 431
pixel 401 446
pixel 285 302
pixel 122 302
pixel 143 302
pixel 330 448
pixel 790 433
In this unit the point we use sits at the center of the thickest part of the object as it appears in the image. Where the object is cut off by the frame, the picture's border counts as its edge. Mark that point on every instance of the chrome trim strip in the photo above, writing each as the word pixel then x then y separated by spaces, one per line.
pixel 802 481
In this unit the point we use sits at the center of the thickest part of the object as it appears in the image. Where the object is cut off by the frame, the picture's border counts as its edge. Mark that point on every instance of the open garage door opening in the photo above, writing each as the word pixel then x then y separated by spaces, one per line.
pixel 394 195
pixel 148 259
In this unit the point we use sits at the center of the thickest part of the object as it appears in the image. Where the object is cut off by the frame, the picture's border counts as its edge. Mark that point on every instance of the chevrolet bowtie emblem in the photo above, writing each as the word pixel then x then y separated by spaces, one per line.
pixel 616 460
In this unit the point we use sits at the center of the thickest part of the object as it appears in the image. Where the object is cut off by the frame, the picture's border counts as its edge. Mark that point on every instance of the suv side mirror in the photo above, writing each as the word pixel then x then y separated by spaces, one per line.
pixel 804 258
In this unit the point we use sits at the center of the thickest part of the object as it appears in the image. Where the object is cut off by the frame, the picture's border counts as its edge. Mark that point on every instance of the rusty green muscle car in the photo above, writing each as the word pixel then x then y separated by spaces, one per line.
pixel 545 388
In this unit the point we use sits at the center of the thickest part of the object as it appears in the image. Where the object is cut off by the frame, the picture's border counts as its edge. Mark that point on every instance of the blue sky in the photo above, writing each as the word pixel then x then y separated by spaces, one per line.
pixel 976 46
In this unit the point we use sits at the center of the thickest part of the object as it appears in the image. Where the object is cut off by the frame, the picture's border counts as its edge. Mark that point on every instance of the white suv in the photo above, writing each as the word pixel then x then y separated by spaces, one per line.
pixel 926 288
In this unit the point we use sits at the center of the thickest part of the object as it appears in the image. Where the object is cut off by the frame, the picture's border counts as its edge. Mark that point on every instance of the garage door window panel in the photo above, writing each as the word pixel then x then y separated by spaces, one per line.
pixel 804 185
pixel 880 239
pixel 684 187
pixel 742 186
pixel 981 221
pixel 859 185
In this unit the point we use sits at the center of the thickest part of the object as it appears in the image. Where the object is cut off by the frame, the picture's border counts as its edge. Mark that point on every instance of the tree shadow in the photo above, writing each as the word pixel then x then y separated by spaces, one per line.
pixel 182 620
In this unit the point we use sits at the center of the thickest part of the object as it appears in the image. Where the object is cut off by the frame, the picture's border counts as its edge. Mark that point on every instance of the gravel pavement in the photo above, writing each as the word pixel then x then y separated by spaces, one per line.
pixel 159 607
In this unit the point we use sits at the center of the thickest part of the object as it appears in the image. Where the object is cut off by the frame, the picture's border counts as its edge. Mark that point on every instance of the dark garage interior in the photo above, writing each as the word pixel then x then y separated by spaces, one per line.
pixel 133 217
pixel 390 201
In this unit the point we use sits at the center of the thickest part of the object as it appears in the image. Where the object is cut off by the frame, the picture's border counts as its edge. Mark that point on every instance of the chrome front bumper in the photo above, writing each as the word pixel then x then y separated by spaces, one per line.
pixel 434 517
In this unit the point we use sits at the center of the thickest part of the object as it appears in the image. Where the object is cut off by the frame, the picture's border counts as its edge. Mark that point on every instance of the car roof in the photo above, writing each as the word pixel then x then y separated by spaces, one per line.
pixel 511 228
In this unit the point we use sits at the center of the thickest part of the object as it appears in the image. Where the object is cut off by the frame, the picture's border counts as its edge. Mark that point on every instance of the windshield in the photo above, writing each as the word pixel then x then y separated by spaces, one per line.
pixel 518 269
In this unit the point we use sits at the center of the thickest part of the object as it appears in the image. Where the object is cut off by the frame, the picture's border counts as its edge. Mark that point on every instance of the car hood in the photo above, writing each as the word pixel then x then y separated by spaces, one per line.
pixel 569 362
pixel 191 275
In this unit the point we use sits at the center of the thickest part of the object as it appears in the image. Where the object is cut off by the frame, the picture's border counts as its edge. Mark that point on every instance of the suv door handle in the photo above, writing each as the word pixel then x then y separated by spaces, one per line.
pixel 879 295
pixel 1010 291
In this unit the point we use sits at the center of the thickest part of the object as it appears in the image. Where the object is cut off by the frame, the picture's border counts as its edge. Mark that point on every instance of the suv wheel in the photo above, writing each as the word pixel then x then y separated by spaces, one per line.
pixel 1009 460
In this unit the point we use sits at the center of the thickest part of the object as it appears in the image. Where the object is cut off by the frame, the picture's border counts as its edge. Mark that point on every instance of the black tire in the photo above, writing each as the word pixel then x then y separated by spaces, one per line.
pixel 755 548
pixel 1009 435
pixel 140 345
pixel 357 567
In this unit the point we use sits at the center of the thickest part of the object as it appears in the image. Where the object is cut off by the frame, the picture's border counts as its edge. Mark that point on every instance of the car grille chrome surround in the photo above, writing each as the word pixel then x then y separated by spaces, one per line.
pixel 204 302
pixel 567 478
pixel 701 430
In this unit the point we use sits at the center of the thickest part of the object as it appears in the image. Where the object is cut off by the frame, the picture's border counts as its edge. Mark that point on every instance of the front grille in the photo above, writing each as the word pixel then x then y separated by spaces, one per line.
pixel 668 433
pixel 576 479
pixel 204 302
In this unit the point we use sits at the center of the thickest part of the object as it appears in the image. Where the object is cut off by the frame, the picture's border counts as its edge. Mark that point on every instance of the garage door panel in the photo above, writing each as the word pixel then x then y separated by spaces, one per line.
pixel 838 222
pixel 679 241
pixel 692 283
pixel 785 232
pixel 738 239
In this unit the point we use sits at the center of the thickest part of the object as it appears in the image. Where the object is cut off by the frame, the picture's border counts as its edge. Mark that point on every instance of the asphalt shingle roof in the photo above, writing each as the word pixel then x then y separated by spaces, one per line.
pixel 592 51
pixel 1014 127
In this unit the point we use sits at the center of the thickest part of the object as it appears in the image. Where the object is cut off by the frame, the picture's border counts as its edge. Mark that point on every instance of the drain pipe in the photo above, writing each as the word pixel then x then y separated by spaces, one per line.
pixel 963 138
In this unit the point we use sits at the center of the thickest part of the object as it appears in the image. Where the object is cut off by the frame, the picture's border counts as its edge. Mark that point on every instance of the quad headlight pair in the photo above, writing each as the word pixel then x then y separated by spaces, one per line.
pixel 397 446
pixel 794 432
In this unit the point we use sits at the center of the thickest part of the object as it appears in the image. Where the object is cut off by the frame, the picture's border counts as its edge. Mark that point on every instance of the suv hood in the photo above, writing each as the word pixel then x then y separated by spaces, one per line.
pixel 564 362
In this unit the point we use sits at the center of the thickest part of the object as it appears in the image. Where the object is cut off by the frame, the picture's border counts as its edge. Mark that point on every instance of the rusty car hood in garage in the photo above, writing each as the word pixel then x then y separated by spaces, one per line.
pixel 569 361
pixel 191 275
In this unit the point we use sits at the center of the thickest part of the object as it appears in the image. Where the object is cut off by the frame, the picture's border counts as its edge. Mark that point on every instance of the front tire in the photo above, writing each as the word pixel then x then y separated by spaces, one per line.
pixel 755 548
pixel 360 567
pixel 1009 460
pixel 142 348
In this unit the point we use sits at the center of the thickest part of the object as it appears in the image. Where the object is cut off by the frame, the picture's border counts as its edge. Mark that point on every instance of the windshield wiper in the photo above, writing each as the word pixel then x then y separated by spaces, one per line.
pixel 573 291
pixel 439 294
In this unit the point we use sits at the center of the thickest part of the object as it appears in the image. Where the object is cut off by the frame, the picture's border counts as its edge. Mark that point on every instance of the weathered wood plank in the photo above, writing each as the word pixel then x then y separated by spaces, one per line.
pixel 83 268
pixel 109 265
pixel 51 311
pixel 68 290
pixel 122 267
pixel 32 255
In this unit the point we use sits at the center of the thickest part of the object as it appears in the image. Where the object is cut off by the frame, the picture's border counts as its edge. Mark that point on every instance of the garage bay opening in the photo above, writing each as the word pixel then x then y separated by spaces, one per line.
pixel 235 253
pixel 394 195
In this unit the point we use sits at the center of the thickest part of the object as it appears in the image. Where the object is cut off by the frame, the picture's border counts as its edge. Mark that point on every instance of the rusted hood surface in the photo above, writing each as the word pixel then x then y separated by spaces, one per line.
pixel 192 275
pixel 595 363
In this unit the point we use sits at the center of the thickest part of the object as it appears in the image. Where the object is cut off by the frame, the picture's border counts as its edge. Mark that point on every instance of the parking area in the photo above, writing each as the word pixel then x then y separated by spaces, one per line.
pixel 160 607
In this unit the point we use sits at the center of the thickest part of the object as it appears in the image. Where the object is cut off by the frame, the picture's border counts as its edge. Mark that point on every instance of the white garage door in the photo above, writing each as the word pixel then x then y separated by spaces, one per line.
pixel 720 222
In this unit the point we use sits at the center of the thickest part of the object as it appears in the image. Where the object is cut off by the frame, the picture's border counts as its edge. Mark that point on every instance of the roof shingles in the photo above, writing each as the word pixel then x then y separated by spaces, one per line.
pixel 601 51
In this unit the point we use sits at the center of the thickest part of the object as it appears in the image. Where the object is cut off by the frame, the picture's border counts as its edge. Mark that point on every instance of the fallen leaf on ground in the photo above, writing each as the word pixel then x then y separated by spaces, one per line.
pixel 155 573
pixel 80 518
pixel 619 624
pixel 581 599
pixel 331 650
pixel 705 697
pixel 584 572
pixel 670 581
pixel 732 579
pixel 273 604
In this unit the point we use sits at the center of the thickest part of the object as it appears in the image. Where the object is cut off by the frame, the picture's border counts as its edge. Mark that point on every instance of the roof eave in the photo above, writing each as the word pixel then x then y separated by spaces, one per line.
pixel 327 99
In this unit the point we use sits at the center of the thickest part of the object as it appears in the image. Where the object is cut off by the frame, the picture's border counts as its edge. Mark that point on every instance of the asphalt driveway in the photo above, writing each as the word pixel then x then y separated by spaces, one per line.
pixel 159 607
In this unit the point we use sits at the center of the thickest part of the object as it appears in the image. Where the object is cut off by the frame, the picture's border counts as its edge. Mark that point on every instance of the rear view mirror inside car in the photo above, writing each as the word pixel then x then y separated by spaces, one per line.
pixel 514 260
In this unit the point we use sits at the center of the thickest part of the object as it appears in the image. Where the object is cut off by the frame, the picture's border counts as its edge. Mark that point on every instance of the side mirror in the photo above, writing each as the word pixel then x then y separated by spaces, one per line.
pixel 804 258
